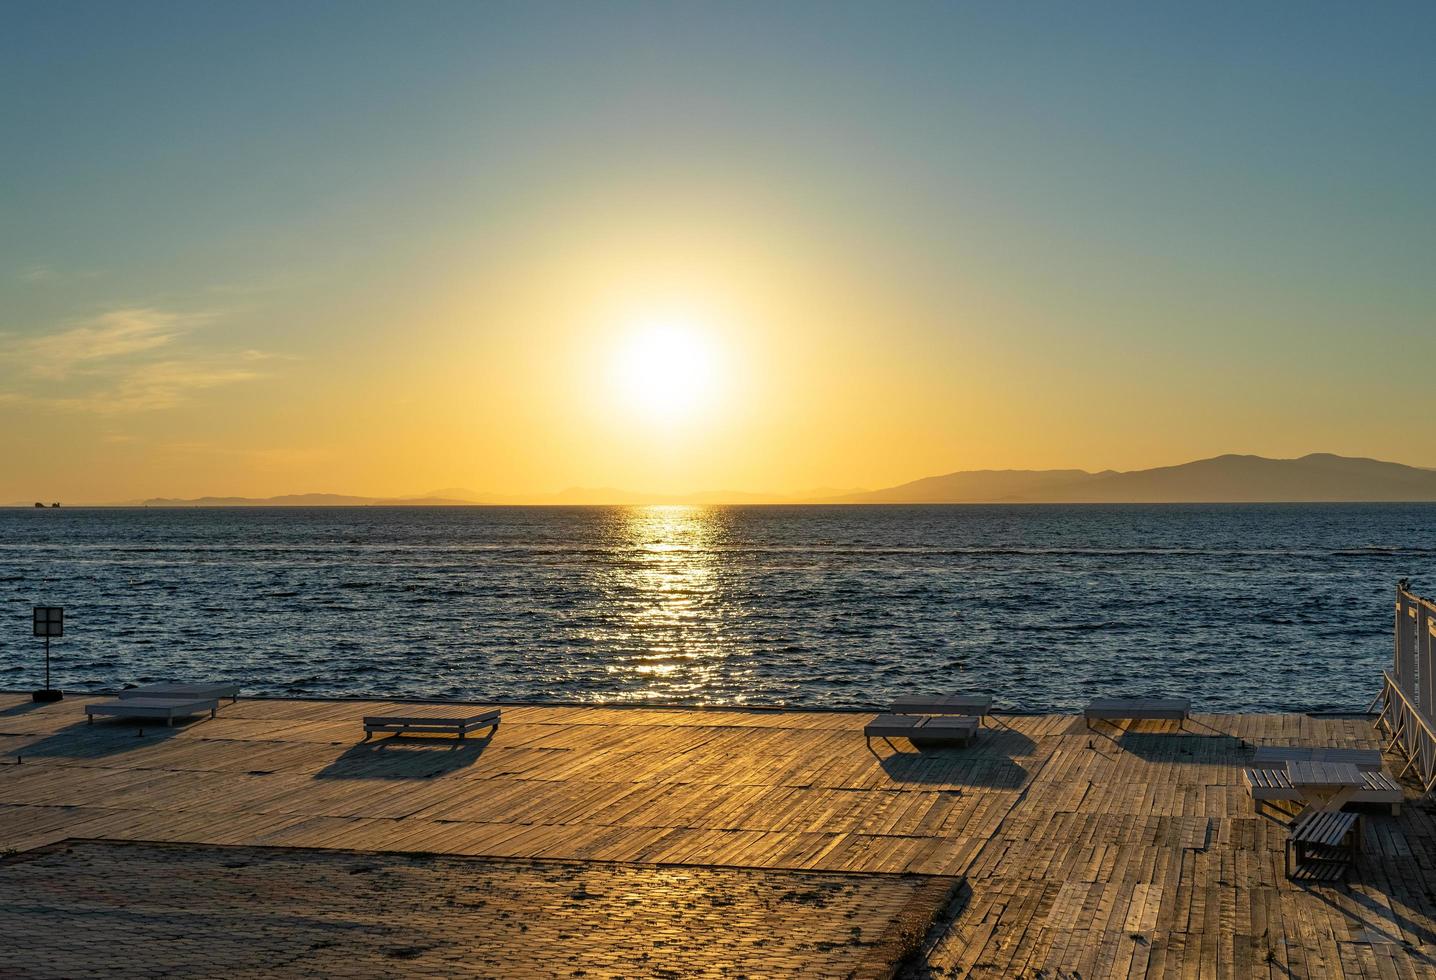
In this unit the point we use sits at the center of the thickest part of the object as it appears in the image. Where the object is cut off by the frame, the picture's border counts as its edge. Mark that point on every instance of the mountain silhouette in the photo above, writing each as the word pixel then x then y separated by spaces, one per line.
pixel 306 500
pixel 1315 478
pixel 1318 477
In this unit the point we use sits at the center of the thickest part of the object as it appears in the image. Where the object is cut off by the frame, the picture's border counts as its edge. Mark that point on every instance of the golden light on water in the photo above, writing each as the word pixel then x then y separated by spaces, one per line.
pixel 669 589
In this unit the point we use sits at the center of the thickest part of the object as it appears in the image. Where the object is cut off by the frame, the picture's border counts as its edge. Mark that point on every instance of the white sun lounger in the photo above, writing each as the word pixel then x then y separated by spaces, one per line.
pixel 218 689
pixel 979 705
pixel 923 731
pixel 1119 709
pixel 167 708
pixel 459 725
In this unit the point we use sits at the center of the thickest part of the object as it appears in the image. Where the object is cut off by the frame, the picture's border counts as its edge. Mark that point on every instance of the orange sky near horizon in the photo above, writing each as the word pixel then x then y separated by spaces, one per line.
pixel 254 253
pixel 820 374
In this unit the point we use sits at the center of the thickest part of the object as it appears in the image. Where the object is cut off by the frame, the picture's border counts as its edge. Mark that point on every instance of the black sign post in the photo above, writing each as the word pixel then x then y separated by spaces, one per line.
pixel 49 621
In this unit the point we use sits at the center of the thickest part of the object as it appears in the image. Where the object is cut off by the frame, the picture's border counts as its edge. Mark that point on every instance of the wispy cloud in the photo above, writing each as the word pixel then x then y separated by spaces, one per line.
pixel 165 384
pixel 111 335
pixel 132 359
pixel 39 273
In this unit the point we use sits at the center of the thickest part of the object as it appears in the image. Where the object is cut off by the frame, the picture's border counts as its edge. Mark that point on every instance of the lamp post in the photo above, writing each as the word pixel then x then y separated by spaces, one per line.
pixel 49 621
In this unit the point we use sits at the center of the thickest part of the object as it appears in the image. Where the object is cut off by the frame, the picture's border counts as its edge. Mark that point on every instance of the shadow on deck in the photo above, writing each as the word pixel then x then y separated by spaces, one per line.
pixel 409 757
pixel 105 738
pixel 988 763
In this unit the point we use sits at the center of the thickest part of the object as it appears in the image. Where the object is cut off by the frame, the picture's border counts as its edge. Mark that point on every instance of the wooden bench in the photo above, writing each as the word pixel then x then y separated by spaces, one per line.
pixel 1277 756
pixel 1274 784
pixel 979 705
pixel 459 725
pixel 1137 709
pixel 924 731
pixel 167 708
pixel 1322 845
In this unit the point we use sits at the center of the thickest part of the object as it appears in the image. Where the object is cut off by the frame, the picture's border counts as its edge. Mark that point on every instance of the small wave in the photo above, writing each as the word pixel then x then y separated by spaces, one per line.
pixel 1384 550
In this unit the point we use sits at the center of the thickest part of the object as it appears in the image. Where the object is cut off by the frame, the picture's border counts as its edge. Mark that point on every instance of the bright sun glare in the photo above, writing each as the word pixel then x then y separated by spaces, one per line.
pixel 666 370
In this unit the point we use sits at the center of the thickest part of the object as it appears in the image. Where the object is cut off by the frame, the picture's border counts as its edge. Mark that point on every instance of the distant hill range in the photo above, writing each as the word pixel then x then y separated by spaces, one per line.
pixel 1319 477
pixel 459 497
pixel 308 500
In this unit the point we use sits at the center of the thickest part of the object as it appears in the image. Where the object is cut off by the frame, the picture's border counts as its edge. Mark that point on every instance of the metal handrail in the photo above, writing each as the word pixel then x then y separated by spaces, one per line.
pixel 1416 713
pixel 1410 730
pixel 1405 711
pixel 1420 600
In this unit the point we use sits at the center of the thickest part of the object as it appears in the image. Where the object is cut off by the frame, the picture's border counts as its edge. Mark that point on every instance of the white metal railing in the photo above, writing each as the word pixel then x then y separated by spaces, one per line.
pixel 1408 690
pixel 1410 731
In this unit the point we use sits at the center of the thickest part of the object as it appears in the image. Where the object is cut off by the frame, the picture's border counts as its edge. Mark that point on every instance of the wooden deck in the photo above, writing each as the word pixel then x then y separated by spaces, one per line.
pixel 1091 853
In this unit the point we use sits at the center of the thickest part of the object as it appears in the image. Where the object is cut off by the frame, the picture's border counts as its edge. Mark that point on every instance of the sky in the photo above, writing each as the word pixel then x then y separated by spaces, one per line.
pixel 380 248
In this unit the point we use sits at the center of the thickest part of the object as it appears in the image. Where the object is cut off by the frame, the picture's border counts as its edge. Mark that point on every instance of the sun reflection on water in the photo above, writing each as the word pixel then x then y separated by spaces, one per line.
pixel 669 603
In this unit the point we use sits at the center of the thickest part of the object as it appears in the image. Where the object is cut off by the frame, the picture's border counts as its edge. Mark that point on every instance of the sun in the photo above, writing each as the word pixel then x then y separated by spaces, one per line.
pixel 665 371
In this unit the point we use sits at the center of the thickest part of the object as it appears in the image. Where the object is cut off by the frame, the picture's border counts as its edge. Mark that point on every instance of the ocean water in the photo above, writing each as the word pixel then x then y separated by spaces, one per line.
pixel 1241 607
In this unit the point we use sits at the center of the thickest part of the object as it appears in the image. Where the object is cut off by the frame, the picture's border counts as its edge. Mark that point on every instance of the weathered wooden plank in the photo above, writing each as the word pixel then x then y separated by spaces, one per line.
pixel 1109 853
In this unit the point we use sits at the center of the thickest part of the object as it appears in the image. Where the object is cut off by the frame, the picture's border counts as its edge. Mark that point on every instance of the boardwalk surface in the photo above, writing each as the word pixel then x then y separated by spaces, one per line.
pixel 1084 853
pixel 254 911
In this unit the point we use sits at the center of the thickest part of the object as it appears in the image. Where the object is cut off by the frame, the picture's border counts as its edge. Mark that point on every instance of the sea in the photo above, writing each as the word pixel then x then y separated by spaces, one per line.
pixel 1239 607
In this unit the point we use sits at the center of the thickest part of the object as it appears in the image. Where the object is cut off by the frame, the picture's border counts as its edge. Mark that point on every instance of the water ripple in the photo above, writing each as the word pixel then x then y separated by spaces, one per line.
pixel 1240 607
